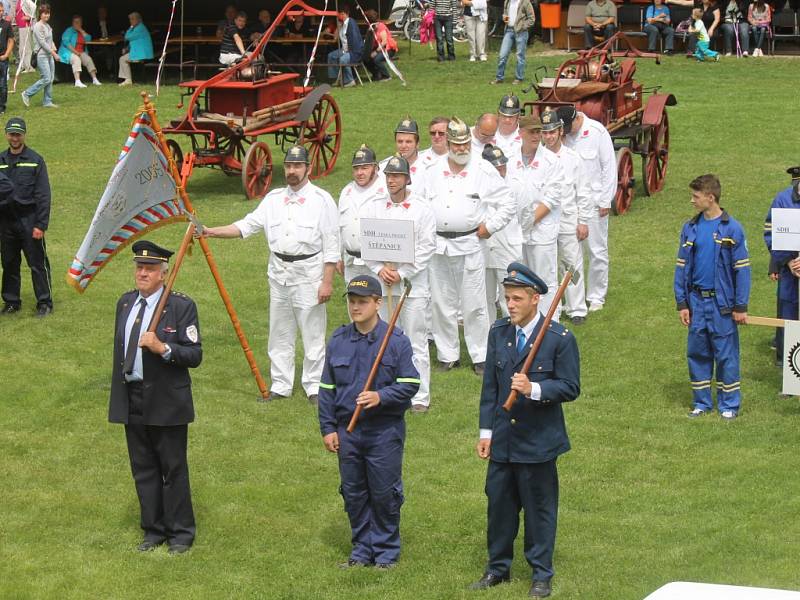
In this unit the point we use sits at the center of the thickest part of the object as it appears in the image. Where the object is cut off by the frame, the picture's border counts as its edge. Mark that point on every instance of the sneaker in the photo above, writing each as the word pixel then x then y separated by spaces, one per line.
pixel 716 58
pixel 80 84
pixel 471 59
pixel 595 306
pixel 96 82
pixel 350 83
pixel 484 58
pixel 25 100
pixel 9 309
pixel 126 82
pixel 745 54
pixel 729 54
pixel 728 415
pixel 51 105
pixel 517 82
pixel 496 82
pixel 696 412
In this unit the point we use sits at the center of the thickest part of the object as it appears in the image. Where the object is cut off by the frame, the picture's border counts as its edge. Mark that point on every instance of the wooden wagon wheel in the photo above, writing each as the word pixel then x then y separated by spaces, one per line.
pixel 256 170
pixel 625 182
pixel 322 135
pixel 657 159
pixel 177 153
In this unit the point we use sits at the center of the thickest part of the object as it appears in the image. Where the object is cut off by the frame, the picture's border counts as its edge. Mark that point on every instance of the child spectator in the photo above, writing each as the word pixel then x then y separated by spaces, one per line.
pixel 699 29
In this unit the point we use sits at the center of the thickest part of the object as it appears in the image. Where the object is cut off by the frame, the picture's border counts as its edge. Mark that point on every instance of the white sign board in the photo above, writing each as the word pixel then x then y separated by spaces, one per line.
pixel 388 240
pixel 785 229
pixel 791 358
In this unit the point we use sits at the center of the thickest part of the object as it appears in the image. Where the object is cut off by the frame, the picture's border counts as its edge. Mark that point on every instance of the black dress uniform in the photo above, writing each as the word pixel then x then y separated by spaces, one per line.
pixel 526 441
pixel 156 411
pixel 28 208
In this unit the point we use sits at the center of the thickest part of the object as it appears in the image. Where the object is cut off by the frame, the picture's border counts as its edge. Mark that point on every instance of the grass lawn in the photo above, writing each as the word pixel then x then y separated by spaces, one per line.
pixel 647 496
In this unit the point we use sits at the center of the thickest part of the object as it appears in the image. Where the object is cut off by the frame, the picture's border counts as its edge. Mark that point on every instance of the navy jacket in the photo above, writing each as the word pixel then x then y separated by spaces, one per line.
pixel 28 172
pixel 355 43
pixel 779 259
pixel 348 360
pixel 732 264
pixel 532 432
pixel 167 387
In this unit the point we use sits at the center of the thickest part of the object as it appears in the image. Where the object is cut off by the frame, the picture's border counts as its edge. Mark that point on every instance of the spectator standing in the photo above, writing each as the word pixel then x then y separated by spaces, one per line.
pixel 381 39
pixel 46 56
pixel 476 17
pixel 735 25
pixel 140 47
pixel 759 16
pixel 6 49
pixel 601 21
pixel 518 17
pixel 351 46
pixel 658 22
pixel 232 47
pixel 73 51
pixel 445 12
pixel 24 15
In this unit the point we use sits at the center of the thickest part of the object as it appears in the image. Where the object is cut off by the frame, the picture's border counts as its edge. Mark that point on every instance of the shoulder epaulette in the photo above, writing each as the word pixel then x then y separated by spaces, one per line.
pixel 179 294
pixel 339 331
pixel 501 322
pixel 557 329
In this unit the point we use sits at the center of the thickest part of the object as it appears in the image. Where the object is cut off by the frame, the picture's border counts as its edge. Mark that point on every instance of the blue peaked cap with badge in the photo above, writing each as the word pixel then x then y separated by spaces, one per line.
pixel 520 275
pixel 145 251
pixel 364 285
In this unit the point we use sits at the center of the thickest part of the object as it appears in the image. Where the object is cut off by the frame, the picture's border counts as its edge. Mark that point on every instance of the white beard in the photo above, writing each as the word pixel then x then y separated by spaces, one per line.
pixel 459 159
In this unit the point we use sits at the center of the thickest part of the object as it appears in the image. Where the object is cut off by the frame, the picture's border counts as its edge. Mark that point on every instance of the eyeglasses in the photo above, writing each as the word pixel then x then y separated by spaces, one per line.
pixel 437 133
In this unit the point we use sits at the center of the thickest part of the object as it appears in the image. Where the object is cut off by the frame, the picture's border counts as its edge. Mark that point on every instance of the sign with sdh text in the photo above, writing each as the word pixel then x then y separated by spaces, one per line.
pixel 387 240
pixel 791 358
pixel 785 229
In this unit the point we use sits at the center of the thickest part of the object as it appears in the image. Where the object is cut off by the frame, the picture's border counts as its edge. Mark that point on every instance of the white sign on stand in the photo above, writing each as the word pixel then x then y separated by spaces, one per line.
pixel 786 236
pixel 785 229
pixel 387 240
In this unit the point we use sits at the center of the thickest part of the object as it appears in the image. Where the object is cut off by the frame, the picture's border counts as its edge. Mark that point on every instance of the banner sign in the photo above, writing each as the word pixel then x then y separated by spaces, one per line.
pixel 387 240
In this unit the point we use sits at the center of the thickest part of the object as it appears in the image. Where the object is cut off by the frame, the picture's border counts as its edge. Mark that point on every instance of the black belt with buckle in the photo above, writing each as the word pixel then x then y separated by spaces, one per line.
pixel 354 254
pixel 451 235
pixel 705 293
pixel 294 257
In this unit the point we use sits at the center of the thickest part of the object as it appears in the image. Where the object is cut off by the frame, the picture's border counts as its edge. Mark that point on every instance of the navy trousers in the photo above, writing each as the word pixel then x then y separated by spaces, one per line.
pixel 533 488
pixel 16 239
pixel 370 466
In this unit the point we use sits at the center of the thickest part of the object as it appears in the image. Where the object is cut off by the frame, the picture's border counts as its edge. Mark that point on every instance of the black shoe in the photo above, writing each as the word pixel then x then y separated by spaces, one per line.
pixel 488 580
pixel 43 310
pixel 419 408
pixel 271 396
pixel 578 320
pixel 178 548
pixel 149 545
pixel 451 58
pixel 540 589
pixel 479 368
pixel 313 400
pixel 352 563
pixel 448 366
pixel 440 58
pixel 385 566
pixel 9 309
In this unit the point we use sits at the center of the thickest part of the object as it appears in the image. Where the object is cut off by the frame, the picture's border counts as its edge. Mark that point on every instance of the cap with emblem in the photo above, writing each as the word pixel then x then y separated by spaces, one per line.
pixel 364 285
pixel 458 132
pixel 296 154
pixel 794 172
pixel 407 125
pixel 567 115
pixel 509 106
pixel 149 253
pixel 550 120
pixel 520 275
pixel 364 156
pixel 397 164
pixel 494 155
pixel 530 123
pixel 16 125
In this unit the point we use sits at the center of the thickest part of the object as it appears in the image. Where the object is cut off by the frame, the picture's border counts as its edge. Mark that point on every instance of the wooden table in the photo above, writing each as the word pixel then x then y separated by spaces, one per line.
pixel 109 41
pixel 106 47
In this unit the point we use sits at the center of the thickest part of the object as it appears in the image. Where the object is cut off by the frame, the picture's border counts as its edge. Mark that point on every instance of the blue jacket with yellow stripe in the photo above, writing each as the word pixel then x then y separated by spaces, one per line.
pixel 732 263
pixel 779 259
pixel 348 360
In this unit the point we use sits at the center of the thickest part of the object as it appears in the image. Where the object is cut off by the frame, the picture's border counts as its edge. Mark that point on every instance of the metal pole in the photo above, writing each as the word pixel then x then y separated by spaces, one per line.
pixel 180 69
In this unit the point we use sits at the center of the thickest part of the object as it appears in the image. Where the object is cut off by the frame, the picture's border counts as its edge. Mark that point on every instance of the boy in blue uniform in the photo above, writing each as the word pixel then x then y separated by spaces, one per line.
pixel 522 444
pixel 784 265
pixel 370 458
pixel 712 286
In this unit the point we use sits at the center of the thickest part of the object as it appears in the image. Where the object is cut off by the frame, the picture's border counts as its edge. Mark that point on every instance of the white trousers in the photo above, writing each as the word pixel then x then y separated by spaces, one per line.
pixel 125 67
pixel 25 48
pixel 352 270
pixel 476 33
pixel 542 259
pixel 413 322
pixel 570 254
pixel 597 246
pixel 229 58
pixel 495 294
pixel 290 307
pixel 85 60
pixel 459 282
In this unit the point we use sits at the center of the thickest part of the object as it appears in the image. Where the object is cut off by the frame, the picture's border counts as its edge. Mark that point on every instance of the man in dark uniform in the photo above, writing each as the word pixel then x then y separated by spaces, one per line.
pixel 151 394
pixel 522 444
pixel 370 458
pixel 23 222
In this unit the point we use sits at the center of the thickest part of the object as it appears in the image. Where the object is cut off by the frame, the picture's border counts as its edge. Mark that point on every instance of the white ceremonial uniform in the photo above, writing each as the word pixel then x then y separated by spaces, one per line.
pixel 575 210
pixel 413 318
pixel 509 144
pixel 428 156
pixel 478 146
pixel 500 250
pixel 457 272
pixel 417 173
pixel 593 144
pixel 543 179
pixel 354 201
pixel 296 224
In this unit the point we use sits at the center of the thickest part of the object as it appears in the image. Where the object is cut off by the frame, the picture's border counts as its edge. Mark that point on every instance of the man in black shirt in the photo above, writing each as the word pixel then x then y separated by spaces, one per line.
pixel 232 47
pixel 6 48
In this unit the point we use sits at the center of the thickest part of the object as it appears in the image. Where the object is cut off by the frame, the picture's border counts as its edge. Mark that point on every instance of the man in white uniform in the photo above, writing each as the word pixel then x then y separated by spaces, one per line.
pixel 458 189
pixel 484 133
pixel 508 139
pixel 405 205
pixel 406 142
pixel 576 210
pixel 356 197
pixel 505 246
pixel 300 223
pixel 593 144
pixel 437 129
pixel 540 206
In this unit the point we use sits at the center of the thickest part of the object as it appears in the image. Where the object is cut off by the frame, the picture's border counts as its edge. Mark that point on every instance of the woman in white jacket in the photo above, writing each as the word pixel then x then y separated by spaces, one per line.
pixel 476 16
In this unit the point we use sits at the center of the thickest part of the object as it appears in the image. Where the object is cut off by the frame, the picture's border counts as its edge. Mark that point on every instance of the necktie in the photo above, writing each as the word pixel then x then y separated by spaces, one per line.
pixel 520 341
pixel 133 339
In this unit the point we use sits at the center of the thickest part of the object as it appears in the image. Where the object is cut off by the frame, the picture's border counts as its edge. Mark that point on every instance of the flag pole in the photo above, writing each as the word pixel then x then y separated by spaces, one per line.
pixel 173 274
pixel 150 109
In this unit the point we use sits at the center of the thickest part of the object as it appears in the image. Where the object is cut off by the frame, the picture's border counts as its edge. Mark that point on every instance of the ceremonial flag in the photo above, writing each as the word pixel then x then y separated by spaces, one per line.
pixel 140 196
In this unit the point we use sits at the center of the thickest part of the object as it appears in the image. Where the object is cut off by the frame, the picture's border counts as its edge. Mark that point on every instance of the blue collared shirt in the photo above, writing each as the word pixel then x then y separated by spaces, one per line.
pixel 151 303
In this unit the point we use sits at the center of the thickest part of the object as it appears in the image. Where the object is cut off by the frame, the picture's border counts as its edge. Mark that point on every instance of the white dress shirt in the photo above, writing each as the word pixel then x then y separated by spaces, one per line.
pixel 543 183
pixel 593 144
pixel 509 144
pixel 354 201
pixel 137 374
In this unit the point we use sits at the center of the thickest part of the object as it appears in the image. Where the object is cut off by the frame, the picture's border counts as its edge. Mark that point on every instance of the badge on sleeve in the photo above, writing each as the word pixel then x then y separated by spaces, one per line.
pixel 191 333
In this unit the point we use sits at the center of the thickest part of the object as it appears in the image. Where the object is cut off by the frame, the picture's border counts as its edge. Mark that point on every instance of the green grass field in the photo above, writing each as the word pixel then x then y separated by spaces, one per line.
pixel 647 496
